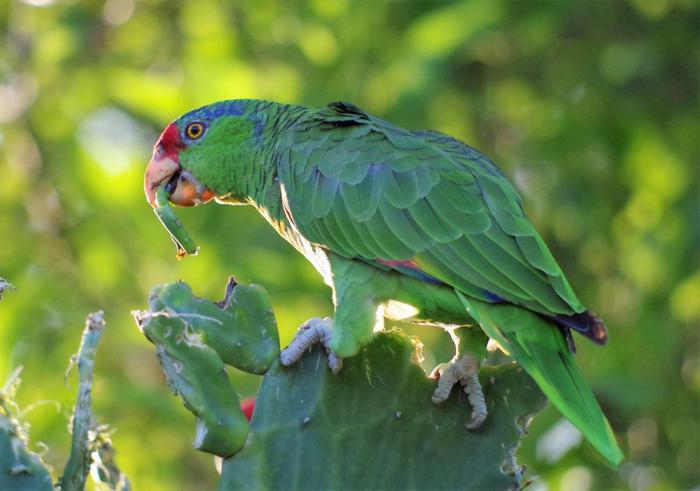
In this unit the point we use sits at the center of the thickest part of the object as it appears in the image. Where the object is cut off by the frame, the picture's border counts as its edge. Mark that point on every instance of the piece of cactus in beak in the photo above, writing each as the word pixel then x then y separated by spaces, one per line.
pixel 185 244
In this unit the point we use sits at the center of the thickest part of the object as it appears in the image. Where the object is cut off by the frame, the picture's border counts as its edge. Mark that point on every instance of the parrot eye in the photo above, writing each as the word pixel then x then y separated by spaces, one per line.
pixel 194 130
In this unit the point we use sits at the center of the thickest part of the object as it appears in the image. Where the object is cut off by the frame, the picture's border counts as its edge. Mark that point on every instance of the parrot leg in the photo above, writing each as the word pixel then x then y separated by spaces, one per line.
pixel 354 318
pixel 464 368
pixel 312 332
pixel 356 296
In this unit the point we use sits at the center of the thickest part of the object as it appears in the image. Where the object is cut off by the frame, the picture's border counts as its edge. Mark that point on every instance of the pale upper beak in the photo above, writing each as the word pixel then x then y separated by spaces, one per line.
pixel 183 188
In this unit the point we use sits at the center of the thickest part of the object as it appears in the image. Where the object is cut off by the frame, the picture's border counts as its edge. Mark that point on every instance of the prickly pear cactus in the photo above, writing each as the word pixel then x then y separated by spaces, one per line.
pixel 20 469
pixel 372 426
pixel 195 337
pixel 91 446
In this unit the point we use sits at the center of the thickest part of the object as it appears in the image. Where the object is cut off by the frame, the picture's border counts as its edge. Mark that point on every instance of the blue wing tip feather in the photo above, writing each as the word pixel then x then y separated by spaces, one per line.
pixel 586 323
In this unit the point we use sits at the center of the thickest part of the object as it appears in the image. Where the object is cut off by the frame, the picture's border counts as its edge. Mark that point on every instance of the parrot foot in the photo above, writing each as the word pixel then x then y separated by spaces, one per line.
pixel 464 370
pixel 312 332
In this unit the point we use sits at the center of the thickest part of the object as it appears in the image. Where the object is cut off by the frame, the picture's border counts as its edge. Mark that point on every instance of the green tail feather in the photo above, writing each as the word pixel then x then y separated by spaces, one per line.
pixel 542 351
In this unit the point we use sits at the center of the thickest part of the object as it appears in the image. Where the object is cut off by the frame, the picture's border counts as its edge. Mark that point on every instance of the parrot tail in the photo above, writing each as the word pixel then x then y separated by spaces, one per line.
pixel 541 350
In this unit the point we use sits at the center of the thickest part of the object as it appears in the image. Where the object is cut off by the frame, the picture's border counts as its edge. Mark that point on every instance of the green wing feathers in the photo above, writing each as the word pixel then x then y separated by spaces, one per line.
pixel 366 189
pixel 539 347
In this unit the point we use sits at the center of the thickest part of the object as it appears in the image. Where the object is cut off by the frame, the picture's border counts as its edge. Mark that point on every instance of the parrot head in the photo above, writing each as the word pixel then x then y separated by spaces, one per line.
pixel 204 155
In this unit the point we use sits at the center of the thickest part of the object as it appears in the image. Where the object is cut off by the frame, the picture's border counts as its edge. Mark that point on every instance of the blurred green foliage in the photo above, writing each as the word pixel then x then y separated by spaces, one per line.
pixel 592 107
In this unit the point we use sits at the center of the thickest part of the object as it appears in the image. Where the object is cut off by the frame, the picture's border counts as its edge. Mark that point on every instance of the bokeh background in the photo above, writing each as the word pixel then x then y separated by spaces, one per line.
pixel 591 107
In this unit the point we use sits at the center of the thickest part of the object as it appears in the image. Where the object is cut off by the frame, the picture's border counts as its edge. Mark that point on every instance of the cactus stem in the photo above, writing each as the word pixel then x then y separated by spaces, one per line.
pixel 79 461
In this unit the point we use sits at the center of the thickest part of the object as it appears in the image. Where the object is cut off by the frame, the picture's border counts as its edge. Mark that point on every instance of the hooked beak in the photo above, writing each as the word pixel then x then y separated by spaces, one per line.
pixel 182 187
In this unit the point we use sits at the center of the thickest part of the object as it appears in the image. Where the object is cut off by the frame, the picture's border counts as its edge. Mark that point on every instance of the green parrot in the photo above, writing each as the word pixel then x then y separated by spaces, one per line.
pixel 400 224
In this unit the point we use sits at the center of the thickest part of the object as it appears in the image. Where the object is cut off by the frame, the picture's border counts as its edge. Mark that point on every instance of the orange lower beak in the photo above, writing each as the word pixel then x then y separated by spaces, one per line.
pixel 185 189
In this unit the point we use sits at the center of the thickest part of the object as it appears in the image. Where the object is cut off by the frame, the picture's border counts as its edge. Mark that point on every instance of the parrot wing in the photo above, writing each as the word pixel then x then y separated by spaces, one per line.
pixel 363 188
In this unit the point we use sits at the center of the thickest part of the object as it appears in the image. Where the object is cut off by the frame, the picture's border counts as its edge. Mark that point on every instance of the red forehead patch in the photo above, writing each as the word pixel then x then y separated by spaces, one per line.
pixel 168 145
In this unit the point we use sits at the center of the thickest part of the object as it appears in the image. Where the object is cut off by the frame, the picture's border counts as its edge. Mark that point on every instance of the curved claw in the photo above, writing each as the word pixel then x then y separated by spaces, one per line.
pixel 312 332
pixel 463 370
